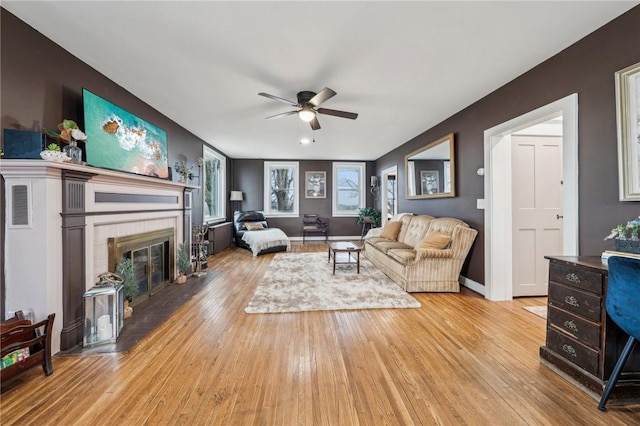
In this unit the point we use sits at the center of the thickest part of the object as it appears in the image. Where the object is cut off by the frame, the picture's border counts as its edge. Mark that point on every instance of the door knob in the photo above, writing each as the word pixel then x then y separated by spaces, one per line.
pixel 559 217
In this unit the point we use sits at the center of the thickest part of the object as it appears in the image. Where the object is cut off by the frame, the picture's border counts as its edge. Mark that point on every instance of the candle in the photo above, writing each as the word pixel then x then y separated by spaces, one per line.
pixel 105 331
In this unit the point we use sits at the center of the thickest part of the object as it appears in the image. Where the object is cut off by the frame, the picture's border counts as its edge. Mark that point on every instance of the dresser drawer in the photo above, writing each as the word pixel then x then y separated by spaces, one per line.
pixel 584 331
pixel 574 351
pixel 579 278
pixel 572 300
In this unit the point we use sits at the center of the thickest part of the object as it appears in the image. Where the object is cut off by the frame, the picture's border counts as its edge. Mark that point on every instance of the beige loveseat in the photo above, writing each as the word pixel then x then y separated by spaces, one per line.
pixel 419 269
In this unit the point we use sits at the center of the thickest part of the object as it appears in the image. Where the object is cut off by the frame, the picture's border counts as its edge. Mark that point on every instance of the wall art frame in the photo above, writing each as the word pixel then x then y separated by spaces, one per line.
pixel 429 182
pixel 315 185
pixel 628 129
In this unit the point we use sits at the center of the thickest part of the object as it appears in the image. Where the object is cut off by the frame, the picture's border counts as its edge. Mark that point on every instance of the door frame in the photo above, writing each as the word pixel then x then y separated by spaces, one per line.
pixel 497 188
pixel 393 170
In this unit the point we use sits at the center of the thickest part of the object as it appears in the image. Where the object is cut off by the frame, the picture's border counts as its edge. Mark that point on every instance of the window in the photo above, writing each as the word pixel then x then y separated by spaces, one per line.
pixel 281 188
pixel 349 188
pixel 214 167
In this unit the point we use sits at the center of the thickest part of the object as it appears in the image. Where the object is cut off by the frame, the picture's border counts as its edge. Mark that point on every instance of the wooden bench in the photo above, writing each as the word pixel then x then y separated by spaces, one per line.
pixel 18 333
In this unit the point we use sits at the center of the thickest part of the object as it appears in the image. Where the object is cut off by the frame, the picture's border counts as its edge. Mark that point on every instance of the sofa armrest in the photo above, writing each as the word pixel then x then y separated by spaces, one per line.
pixel 430 253
pixel 462 239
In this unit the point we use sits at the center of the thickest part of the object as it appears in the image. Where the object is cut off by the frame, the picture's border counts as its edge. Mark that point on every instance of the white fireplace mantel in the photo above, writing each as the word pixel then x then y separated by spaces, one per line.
pixel 115 204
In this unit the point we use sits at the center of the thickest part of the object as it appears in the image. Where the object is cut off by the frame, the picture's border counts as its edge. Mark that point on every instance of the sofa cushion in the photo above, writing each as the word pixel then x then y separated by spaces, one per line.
pixel 415 230
pixel 374 240
pixel 403 256
pixel 386 245
pixel 391 230
pixel 434 240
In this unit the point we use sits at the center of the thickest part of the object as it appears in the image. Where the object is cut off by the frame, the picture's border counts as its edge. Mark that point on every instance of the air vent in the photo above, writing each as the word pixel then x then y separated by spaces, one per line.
pixel 19 205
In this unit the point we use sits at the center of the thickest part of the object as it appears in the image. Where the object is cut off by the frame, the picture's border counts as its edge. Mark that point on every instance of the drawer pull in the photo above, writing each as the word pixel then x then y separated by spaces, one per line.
pixel 573 278
pixel 571 326
pixel 569 349
pixel 570 300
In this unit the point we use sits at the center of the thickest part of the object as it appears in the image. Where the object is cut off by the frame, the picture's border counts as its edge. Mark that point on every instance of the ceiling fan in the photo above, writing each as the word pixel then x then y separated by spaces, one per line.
pixel 309 103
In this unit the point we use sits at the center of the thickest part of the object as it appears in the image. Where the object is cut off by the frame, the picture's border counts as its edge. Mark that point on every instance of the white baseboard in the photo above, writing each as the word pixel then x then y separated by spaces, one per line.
pixel 472 285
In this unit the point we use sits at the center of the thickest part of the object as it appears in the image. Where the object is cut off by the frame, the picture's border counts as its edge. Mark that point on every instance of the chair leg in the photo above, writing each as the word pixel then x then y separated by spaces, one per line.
pixel 616 372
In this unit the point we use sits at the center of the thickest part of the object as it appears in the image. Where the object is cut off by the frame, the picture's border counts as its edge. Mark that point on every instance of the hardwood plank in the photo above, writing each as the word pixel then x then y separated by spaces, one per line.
pixel 459 359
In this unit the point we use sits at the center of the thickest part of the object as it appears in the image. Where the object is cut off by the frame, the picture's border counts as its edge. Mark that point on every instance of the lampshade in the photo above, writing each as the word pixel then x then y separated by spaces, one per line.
pixel 236 196
pixel 306 114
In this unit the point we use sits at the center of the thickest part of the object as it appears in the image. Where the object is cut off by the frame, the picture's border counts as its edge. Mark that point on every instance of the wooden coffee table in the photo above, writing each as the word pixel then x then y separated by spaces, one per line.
pixel 342 252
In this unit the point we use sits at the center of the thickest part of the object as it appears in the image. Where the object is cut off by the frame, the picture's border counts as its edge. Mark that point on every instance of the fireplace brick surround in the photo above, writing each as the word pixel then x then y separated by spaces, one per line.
pixel 59 217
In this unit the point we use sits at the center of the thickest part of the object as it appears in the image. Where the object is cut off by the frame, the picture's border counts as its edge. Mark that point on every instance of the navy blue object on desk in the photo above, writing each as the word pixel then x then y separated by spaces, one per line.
pixel 23 144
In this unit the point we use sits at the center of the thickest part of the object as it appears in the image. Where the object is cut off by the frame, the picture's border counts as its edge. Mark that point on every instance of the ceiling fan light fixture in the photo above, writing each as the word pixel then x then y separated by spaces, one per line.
pixel 306 114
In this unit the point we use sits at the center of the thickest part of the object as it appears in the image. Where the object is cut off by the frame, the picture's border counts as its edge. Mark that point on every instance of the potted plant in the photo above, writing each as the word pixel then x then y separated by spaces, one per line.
pixel 183 263
pixel 626 236
pixel 369 215
pixel 69 131
pixel 124 269
pixel 53 153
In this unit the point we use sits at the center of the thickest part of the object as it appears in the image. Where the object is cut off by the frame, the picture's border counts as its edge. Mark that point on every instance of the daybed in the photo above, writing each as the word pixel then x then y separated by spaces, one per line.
pixel 251 231
pixel 421 253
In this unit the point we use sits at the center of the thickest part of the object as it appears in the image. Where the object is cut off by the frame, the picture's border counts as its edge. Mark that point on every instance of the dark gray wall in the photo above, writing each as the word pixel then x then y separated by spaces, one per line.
pixel 586 68
pixel 42 84
pixel 248 177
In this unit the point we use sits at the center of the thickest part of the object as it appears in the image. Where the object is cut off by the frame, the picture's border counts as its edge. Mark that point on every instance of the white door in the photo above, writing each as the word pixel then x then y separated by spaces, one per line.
pixel 537 210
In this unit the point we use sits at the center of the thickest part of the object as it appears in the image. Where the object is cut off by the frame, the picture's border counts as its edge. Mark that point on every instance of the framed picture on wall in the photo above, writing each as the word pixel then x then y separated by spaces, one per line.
pixel 628 120
pixel 315 184
pixel 429 181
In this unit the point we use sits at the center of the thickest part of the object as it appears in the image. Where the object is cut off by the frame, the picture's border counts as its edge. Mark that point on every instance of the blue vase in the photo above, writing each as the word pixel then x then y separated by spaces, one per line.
pixel 627 246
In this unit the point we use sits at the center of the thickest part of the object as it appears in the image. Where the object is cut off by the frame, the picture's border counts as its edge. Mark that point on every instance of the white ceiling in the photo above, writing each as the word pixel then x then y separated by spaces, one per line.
pixel 403 66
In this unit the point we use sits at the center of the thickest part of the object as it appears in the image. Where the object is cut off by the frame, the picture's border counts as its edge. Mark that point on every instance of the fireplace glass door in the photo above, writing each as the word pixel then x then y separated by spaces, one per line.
pixel 151 268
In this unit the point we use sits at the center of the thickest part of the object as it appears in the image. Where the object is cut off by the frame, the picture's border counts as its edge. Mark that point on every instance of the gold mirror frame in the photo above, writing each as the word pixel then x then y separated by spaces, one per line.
pixel 432 170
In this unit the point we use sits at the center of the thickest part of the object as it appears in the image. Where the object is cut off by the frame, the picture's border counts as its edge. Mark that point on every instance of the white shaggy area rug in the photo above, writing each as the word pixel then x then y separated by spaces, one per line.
pixel 297 282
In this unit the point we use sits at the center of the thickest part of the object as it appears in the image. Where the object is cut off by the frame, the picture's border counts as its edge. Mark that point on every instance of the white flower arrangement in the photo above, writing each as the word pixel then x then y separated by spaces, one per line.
pixel 68 131
pixel 183 170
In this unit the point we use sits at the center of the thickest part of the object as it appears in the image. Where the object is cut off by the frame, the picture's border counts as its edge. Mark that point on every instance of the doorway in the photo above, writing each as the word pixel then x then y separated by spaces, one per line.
pixel 498 186
pixel 389 194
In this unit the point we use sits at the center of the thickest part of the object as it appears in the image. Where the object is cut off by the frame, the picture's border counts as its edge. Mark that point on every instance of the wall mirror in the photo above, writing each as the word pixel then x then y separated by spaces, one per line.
pixel 430 170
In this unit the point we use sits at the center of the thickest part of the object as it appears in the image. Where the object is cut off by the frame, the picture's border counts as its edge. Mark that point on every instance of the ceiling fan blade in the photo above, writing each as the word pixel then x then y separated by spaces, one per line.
pixel 322 96
pixel 284 114
pixel 336 113
pixel 315 125
pixel 275 98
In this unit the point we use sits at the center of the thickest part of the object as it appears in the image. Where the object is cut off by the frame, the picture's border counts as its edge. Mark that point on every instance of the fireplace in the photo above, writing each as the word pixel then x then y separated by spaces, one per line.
pixel 73 212
pixel 151 254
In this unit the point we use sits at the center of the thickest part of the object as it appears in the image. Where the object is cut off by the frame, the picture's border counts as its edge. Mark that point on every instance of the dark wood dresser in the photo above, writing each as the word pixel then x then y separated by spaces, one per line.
pixel 583 343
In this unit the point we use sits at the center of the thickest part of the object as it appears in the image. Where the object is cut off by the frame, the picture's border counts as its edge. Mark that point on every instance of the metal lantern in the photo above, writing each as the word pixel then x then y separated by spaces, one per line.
pixel 103 314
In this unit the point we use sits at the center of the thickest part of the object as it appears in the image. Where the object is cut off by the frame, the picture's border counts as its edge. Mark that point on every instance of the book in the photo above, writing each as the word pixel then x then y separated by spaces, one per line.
pixel 609 253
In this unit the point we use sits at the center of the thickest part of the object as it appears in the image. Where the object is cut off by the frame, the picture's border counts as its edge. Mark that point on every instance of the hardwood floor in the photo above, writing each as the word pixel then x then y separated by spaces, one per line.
pixel 459 359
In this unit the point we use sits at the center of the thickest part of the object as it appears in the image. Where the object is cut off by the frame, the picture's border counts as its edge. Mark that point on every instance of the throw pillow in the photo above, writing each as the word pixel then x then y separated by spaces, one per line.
pixel 253 226
pixel 391 230
pixel 434 240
